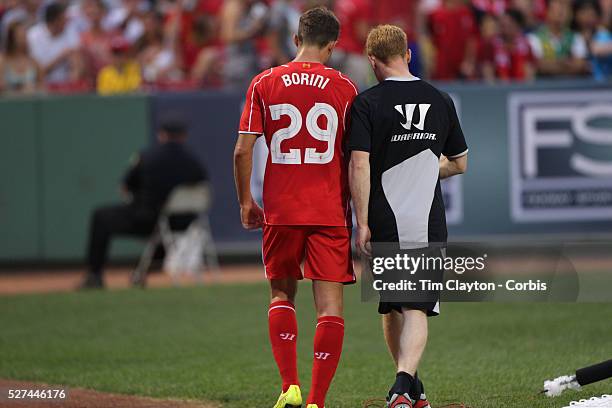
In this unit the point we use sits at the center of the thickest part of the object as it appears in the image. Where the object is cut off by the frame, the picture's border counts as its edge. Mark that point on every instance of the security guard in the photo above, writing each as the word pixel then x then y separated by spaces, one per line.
pixel 153 175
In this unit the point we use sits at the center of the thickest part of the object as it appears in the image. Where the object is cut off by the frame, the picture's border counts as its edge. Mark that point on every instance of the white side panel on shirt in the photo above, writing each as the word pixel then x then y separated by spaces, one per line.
pixel 409 188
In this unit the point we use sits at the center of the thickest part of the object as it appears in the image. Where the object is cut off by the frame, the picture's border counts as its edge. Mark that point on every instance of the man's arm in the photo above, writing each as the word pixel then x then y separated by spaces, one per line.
pixel 454 154
pixel 231 29
pixel 452 167
pixel 251 214
pixel 132 177
pixel 360 144
pixel 251 126
pixel 65 55
pixel 359 181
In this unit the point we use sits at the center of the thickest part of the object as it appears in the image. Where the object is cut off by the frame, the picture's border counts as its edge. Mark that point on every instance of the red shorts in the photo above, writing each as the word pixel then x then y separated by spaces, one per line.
pixel 325 252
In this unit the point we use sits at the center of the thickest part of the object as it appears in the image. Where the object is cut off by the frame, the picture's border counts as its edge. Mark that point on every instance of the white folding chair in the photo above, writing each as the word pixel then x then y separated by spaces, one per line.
pixel 188 199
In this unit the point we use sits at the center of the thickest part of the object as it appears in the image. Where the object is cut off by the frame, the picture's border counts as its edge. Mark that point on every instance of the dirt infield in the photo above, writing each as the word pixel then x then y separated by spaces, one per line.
pixel 45 281
pixel 81 398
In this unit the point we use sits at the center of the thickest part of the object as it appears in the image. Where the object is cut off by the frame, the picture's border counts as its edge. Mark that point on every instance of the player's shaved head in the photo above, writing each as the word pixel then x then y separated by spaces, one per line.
pixel 386 42
pixel 318 26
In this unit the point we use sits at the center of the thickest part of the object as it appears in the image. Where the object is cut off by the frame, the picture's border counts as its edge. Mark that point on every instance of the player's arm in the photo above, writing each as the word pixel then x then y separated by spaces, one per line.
pixel 251 127
pixel 359 143
pixel 452 167
pixel 251 215
pixel 359 181
pixel 454 153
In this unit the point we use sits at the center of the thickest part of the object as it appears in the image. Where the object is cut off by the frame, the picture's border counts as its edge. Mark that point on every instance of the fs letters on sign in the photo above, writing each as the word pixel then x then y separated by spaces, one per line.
pixel 561 156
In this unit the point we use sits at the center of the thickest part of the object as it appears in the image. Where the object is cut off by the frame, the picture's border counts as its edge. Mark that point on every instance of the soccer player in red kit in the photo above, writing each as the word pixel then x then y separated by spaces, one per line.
pixel 301 109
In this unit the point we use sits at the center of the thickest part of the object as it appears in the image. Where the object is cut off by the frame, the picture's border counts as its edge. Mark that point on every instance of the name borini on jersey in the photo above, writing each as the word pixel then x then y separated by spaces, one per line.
pixel 413 136
pixel 305 79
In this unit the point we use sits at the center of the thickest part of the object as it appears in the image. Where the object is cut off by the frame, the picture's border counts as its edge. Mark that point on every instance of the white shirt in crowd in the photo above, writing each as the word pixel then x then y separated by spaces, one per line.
pixel 45 48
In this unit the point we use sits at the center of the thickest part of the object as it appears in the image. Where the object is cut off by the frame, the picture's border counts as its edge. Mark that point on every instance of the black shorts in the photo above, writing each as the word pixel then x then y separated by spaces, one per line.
pixel 430 305
pixel 431 308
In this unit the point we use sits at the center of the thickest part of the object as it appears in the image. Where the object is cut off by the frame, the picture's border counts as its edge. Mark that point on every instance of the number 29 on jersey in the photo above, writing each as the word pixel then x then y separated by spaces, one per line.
pixel 311 155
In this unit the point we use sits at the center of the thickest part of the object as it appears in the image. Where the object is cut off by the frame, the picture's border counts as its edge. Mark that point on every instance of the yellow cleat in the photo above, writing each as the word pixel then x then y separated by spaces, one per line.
pixel 291 398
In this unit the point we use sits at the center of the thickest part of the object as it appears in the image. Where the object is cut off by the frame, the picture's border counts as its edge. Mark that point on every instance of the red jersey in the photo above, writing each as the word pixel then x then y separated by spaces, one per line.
pixel 511 60
pixel 451 30
pixel 351 13
pixel 301 108
pixel 401 13
pixel 190 44
pixel 495 7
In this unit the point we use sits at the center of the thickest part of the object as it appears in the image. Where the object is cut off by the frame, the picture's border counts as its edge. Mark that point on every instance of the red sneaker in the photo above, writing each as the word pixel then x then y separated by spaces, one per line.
pixel 400 401
pixel 422 402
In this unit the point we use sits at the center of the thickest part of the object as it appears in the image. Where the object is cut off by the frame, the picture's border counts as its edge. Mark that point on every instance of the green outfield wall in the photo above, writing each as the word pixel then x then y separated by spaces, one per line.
pixel 540 164
pixel 60 157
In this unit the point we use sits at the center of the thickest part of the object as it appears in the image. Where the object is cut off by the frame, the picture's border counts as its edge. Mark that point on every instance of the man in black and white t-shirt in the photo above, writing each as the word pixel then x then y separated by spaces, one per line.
pixel 405 136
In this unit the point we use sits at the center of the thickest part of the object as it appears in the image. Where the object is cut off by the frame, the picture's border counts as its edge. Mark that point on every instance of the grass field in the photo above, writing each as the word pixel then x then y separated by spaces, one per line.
pixel 210 343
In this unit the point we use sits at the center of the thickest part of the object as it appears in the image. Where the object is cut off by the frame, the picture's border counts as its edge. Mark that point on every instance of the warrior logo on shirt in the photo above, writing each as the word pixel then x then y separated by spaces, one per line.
pixel 407 112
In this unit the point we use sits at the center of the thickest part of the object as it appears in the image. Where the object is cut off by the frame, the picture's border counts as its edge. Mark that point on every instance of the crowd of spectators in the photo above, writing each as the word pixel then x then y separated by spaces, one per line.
pixel 118 46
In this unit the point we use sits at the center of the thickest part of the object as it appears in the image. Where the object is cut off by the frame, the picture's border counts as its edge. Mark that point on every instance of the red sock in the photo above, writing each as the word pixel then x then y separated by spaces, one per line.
pixel 283 331
pixel 327 350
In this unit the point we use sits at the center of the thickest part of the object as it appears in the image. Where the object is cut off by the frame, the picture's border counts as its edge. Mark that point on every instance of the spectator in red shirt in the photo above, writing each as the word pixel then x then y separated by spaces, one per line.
pixel 96 42
pixel 349 57
pixel 453 32
pixel 201 53
pixel 401 13
pixel 489 33
pixel 196 25
pixel 209 7
pixel 509 57
pixel 407 15
pixel 494 7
